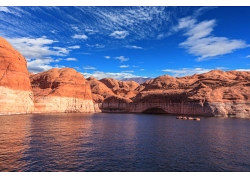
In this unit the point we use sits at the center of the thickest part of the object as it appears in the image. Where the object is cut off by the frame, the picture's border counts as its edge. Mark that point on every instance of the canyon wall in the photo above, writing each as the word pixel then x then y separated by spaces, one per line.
pixel 216 93
pixel 16 96
pixel 61 90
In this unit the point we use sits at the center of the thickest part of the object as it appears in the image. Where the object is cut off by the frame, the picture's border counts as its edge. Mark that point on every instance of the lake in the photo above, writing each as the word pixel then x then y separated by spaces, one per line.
pixel 122 142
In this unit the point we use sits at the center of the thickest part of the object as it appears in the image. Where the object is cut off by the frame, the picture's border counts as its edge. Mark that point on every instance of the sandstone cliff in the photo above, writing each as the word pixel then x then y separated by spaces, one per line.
pixel 216 93
pixel 111 95
pixel 61 90
pixel 16 96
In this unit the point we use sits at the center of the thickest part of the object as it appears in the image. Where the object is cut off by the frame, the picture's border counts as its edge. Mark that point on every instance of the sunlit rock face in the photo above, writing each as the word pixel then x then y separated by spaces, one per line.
pixel 111 95
pixel 61 90
pixel 16 96
pixel 216 93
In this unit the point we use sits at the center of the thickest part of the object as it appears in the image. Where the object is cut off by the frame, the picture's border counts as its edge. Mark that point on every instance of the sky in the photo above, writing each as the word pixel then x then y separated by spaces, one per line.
pixel 128 42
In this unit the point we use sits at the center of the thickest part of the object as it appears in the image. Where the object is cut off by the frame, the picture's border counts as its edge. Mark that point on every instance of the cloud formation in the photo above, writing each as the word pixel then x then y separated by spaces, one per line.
pixel 119 34
pixel 200 41
pixel 107 57
pixel 185 71
pixel 71 59
pixel 4 9
pixel 39 52
pixel 80 36
pixel 101 75
pixel 122 58
pixel 124 66
pixel 37 47
pixel 74 47
pixel 133 47
pixel 40 65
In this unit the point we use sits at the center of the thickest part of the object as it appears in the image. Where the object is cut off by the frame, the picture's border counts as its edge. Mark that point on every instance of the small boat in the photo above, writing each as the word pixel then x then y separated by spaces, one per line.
pixel 188 118
pixel 197 119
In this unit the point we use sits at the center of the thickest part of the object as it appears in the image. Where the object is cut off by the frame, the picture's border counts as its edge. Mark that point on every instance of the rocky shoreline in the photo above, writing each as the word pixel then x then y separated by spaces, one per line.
pixel 216 93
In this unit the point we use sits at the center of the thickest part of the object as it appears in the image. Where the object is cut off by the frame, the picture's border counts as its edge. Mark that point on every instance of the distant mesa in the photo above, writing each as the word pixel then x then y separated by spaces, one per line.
pixel 215 93
pixel 139 80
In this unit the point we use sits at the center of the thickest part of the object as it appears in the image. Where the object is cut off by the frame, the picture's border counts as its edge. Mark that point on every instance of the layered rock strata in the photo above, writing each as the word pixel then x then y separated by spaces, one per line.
pixel 16 95
pixel 61 90
pixel 216 93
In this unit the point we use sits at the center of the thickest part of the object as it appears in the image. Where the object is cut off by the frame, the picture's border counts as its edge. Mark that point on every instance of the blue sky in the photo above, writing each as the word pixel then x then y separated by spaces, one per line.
pixel 124 42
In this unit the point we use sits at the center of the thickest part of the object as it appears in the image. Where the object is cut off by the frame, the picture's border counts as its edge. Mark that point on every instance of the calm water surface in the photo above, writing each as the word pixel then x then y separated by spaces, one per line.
pixel 122 142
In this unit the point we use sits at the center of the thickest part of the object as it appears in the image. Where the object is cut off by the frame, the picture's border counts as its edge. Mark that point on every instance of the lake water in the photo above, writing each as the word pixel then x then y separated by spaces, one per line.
pixel 122 142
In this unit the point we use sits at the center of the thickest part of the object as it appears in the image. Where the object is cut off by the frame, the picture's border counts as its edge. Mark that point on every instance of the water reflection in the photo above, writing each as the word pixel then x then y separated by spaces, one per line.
pixel 122 142
pixel 14 141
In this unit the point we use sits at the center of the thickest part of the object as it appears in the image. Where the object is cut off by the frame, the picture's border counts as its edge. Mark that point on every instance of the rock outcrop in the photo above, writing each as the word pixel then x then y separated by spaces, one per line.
pixel 216 93
pixel 124 89
pixel 16 96
pixel 61 90
pixel 111 95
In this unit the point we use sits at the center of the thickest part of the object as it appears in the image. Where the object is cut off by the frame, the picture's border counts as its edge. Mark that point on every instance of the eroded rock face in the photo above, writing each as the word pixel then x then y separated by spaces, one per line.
pixel 124 89
pixel 111 95
pixel 61 90
pixel 16 96
pixel 216 93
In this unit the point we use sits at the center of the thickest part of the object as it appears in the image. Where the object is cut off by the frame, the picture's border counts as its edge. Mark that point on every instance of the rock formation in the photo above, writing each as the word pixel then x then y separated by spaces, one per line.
pixel 16 96
pixel 111 95
pixel 61 90
pixel 124 89
pixel 215 93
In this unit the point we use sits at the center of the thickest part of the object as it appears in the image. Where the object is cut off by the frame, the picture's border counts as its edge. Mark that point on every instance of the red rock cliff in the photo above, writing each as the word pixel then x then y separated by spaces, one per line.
pixel 15 90
pixel 61 90
pixel 216 93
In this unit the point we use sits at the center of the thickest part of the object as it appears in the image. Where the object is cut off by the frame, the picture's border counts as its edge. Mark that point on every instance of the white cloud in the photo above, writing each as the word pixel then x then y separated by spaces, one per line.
pixel 122 58
pixel 80 36
pixel 133 47
pixel 129 71
pixel 101 75
pixel 75 28
pixel 124 66
pixel 248 56
pixel 91 31
pixel 37 47
pixel 71 59
pixel 61 51
pixel 4 9
pixel 107 57
pixel 39 65
pixel 119 34
pixel 185 71
pixel 200 42
pixel 38 52
pixel 89 68
pixel 242 70
pixel 95 45
pixel 74 47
